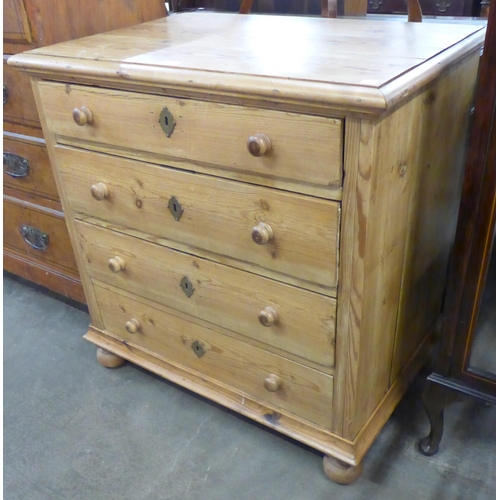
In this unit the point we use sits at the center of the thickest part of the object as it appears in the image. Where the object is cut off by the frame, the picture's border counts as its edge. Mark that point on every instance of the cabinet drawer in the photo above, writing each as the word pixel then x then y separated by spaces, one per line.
pixel 300 390
pixel 19 102
pixel 214 215
pixel 15 22
pixel 303 149
pixel 26 166
pixel 445 8
pixel 38 232
pixel 295 321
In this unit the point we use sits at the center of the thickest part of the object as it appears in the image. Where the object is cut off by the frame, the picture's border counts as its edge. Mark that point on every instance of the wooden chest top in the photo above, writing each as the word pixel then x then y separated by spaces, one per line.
pixel 360 66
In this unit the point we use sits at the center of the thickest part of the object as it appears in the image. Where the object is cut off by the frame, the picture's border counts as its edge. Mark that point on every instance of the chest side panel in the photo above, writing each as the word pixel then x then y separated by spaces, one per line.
pixel 399 210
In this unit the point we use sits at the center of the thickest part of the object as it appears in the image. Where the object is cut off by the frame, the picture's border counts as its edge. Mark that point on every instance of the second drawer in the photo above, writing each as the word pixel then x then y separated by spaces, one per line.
pixel 291 320
pixel 26 166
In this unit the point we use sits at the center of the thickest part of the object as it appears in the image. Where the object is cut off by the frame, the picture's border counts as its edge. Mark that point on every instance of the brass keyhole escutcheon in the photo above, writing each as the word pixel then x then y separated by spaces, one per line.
pixel 187 286
pixel 175 208
pixel 167 122
pixel 198 348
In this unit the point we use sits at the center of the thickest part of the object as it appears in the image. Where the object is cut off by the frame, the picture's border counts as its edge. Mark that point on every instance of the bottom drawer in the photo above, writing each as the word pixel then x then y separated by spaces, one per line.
pixel 38 232
pixel 262 375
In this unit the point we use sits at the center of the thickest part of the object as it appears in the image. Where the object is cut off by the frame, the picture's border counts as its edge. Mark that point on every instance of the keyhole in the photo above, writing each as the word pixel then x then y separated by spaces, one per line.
pixel 186 285
pixel 166 121
pixel 175 208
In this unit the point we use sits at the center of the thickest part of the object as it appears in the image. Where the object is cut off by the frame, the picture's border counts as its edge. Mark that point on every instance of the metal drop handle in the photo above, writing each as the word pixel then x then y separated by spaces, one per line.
pixel 16 166
pixel 36 238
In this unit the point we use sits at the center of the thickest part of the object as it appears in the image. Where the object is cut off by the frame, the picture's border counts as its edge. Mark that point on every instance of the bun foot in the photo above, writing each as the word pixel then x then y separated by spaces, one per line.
pixel 108 359
pixel 340 472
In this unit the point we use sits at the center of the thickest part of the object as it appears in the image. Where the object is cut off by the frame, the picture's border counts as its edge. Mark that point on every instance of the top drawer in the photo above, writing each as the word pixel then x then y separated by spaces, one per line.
pixel 297 152
pixel 19 104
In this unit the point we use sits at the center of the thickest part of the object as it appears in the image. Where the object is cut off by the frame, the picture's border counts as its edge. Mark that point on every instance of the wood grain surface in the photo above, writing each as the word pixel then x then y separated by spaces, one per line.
pixel 224 296
pixel 68 212
pixel 335 64
pixel 18 213
pixel 281 421
pixel 40 179
pixel 43 273
pixel 366 53
pixel 15 22
pixel 218 215
pixel 402 187
pixel 305 392
pixel 210 135
pixel 20 107
pixel 32 23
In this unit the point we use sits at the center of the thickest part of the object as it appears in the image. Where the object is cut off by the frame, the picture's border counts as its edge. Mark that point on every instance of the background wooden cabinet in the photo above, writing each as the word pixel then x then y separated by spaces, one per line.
pixel 466 362
pixel 313 7
pixel 43 253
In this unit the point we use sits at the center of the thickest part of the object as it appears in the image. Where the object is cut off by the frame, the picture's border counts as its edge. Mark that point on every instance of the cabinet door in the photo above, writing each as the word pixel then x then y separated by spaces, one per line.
pixel 15 22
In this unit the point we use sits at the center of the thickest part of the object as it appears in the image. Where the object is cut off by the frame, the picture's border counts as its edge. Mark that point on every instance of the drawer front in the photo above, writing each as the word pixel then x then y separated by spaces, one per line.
pixel 15 22
pixel 387 7
pixel 26 166
pixel 291 320
pixel 429 7
pixel 19 102
pixel 303 149
pixel 38 232
pixel 444 8
pixel 213 214
pixel 299 389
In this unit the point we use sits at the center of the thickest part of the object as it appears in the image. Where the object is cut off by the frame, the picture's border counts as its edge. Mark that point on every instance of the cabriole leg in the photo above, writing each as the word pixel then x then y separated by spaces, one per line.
pixel 436 398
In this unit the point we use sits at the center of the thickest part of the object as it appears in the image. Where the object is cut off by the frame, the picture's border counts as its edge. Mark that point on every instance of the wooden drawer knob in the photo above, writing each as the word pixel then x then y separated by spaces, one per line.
pixel 82 116
pixel 272 383
pixel 99 191
pixel 259 144
pixel 262 233
pixel 116 264
pixel 268 316
pixel 133 325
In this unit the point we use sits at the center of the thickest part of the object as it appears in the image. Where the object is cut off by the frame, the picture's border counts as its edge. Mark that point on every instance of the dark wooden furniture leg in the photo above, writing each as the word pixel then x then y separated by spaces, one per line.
pixel 436 398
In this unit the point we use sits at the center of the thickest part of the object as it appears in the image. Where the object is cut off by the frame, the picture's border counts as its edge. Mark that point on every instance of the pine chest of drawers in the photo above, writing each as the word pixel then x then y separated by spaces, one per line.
pixel 262 207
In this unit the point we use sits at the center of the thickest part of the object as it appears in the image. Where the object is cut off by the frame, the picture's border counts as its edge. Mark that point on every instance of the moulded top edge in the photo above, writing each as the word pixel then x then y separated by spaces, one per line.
pixel 348 64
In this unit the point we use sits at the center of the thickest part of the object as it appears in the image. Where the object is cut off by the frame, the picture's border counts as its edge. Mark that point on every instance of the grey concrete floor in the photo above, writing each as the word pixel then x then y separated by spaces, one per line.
pixel 75 430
